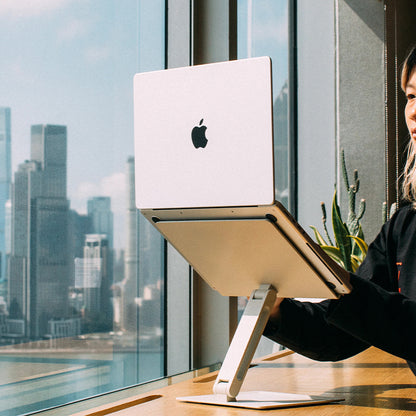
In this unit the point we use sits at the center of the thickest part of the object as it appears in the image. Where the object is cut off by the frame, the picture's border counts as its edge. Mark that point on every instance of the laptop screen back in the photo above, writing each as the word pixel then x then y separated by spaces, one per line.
pixel 204 136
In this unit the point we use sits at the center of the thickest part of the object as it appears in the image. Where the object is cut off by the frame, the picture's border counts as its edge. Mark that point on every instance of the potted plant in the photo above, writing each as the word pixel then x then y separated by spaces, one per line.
pixel 350 248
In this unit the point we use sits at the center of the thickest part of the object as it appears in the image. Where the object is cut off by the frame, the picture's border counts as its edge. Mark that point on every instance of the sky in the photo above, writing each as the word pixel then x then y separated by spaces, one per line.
pixel 71 62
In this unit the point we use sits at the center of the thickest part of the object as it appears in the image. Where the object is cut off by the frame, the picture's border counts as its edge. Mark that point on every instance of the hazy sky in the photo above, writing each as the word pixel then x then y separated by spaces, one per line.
pixel 71 62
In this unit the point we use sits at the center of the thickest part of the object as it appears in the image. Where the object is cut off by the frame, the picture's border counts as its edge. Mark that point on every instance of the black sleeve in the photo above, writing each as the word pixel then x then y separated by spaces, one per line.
pixel 303 328
pixel 378 317
pixel 330 331
pixel 375 311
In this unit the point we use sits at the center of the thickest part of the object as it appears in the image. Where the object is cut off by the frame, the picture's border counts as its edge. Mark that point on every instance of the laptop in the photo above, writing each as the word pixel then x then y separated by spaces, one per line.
pixel 204 177
pixel 204 174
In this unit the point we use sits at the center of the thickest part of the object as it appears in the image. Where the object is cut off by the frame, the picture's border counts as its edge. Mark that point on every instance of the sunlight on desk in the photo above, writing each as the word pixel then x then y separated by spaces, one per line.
pixel 371 383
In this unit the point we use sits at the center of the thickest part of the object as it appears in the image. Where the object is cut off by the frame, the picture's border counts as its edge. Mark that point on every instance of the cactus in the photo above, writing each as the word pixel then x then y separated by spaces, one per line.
pixel 350 248
pixel 353 220
pixel 324 223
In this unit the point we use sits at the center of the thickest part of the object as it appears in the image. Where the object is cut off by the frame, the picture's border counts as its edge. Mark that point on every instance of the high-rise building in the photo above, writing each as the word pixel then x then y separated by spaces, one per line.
pixel 129 285
pixel 101 216
pixel 5 181
pixel 99 210
pixel 48 149
pixel 92 275
pixel 39 261
pixel 79 225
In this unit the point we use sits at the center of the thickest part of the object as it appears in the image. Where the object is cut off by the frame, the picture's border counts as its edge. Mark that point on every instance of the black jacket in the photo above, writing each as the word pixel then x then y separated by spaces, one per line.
pixel 380 310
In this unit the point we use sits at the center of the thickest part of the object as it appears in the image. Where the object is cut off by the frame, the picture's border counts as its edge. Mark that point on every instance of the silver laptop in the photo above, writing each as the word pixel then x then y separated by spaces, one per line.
pixel 205 179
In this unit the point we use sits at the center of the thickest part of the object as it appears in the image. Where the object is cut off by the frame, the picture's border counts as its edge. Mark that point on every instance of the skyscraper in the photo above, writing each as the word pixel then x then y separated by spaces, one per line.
pixel 39 263
pixel 128 307
pixel 5 181
pixel 92 275
pixel 99 210
pixel 48 149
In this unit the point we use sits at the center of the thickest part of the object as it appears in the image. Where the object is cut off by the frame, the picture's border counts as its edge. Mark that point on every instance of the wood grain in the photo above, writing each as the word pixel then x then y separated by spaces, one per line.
pixel 371 383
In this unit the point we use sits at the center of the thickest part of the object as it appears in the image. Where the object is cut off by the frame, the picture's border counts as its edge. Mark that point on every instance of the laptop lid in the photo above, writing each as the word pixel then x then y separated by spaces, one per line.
pixel 204 136
pixel 208 185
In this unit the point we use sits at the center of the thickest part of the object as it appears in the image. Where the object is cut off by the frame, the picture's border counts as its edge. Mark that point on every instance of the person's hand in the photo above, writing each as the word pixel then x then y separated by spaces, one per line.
pixel 274 314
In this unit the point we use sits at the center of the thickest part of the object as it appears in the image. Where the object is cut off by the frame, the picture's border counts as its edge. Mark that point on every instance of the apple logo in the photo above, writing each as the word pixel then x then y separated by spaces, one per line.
pixel 198 135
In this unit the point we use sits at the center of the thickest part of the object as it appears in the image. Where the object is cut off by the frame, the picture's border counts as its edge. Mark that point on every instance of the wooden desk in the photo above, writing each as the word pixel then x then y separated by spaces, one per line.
pixel 372 383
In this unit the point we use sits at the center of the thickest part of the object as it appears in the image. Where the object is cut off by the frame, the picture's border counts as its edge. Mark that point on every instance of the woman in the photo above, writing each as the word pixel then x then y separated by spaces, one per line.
pixel 381 309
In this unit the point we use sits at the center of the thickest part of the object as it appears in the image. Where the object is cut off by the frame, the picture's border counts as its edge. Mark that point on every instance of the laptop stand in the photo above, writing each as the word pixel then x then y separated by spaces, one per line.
pixel 237 362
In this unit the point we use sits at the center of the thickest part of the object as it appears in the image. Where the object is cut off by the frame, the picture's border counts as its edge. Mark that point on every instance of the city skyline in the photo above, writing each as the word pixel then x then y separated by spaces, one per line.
pixel 74 67
pixel 83 80
pixel 62 263
pixel 112 188
pixel 90 53
pixel 46 239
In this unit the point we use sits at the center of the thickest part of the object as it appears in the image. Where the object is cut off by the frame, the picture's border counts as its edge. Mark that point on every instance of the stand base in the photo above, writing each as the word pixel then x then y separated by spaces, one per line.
pixel 261 400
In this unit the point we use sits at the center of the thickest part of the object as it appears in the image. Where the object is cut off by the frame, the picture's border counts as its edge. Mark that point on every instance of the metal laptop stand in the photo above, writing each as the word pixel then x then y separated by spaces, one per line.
pixel 235 255
pixel 238 358
pixel 244 343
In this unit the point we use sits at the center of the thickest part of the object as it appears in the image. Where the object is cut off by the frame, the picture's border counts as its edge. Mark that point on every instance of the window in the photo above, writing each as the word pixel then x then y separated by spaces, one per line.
pixel 263 31
pixel 82 275
pixel 86 284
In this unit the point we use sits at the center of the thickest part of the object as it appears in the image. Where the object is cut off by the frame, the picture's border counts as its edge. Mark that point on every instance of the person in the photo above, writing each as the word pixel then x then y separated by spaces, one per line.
pixel 380 310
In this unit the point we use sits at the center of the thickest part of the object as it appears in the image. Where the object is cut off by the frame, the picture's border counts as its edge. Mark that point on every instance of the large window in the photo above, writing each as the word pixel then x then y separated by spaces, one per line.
pixel 263 30
pixel 91 298
pixel 82 275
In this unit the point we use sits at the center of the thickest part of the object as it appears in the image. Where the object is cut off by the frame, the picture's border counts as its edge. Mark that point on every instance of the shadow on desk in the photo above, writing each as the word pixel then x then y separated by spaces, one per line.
pixel 368 381
pixel 382 396
pixel 372 383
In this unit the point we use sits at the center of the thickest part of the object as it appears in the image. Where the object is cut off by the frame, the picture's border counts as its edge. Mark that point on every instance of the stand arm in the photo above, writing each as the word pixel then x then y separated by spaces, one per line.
pixel 245 341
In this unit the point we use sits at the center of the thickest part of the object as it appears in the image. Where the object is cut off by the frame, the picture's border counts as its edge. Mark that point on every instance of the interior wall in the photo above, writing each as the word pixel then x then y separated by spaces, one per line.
pixel 360 84
pixel 316 108
pixel 341 106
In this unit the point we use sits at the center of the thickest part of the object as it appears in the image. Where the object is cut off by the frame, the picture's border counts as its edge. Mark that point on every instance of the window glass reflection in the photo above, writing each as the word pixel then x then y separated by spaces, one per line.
pixel 81 277
pixel 263 31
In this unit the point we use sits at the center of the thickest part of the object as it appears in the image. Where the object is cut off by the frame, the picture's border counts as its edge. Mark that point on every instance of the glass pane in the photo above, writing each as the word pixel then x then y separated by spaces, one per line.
pixel 263 31
pixel 81 295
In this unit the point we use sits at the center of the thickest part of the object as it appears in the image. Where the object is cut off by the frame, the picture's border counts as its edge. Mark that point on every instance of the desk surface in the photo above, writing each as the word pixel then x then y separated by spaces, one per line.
pixel 371 383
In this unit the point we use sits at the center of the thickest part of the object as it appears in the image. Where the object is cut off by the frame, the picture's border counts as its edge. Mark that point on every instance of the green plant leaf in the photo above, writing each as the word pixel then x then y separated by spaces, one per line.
pixel 360 233
pixel 361 244
pixel 318 237
pixel 355 247
pixel 334 253
pixel 341 233
pixel 358 259
pixel 355 263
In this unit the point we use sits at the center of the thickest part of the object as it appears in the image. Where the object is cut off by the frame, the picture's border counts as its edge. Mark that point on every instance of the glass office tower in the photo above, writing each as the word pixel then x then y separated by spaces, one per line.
pixel 99 210
pixel 5 180
pixel 39 261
